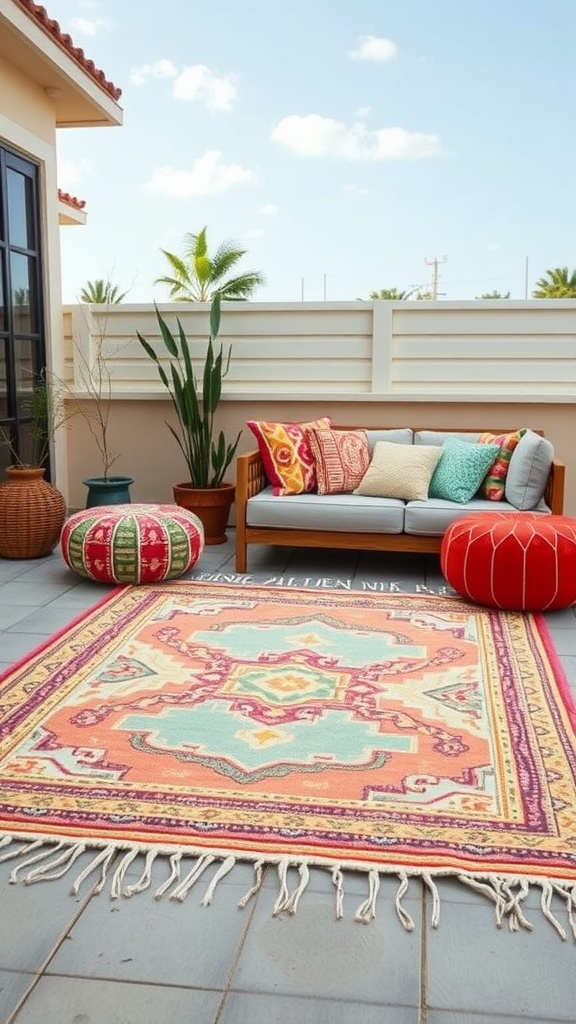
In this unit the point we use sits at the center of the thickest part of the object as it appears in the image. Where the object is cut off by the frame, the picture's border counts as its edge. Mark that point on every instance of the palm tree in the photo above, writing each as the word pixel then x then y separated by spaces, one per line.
pixel 559 283
pixel 101 291
pixel 197 276
pixel 392 293
pixel 493 295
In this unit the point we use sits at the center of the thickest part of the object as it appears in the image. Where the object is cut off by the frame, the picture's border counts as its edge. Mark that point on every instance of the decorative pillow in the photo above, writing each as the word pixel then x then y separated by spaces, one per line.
pixel 399 471
pixel 461 469
pixel 494 483
pixel 288 460
pixel 341 457
pixel 529 470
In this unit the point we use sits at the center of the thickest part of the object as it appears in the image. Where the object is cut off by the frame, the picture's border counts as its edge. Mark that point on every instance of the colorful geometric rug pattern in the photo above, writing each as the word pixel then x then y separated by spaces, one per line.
pixel 401 733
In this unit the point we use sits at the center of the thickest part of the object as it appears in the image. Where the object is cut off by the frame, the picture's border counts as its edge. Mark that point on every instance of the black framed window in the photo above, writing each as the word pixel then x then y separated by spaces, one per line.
pixel 22 335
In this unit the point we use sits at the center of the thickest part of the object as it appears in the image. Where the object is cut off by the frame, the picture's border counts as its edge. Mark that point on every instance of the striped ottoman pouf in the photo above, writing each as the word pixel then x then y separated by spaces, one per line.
pixel 517 561
pixel 132 543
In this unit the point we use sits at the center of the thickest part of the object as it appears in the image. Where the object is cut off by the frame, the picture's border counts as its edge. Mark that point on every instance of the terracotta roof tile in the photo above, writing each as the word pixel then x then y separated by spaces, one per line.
pixel 65 197
pixel 52 28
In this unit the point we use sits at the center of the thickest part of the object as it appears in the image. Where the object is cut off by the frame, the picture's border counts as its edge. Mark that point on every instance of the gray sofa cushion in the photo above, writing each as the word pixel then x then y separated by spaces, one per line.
pixel 348 513
pixel 397 435
pixel 439 436
pixel 431 518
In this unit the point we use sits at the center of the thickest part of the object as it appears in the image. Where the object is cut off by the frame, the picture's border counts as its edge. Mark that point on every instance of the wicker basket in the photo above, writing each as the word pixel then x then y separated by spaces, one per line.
pixel 32 514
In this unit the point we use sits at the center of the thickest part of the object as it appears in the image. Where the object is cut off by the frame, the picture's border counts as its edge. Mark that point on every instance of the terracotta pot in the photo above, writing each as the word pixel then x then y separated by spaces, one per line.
pixel 212 506
pixel 32 514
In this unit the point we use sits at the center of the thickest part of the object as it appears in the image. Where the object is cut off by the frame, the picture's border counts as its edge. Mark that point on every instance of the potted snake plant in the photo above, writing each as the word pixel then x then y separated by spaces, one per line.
pixel 195 399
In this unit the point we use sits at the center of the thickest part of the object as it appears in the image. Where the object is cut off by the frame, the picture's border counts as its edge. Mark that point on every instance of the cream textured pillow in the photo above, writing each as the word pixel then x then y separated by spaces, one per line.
pixel 400 471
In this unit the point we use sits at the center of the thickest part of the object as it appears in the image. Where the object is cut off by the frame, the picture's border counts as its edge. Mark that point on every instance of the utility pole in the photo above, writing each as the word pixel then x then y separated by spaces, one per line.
pixel 435 261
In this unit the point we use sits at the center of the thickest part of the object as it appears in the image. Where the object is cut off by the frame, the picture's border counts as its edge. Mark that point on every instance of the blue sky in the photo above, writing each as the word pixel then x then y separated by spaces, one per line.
pixel 342 143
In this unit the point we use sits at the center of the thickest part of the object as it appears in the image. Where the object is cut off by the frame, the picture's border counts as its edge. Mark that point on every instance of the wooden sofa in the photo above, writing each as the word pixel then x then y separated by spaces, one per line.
pixel 251 479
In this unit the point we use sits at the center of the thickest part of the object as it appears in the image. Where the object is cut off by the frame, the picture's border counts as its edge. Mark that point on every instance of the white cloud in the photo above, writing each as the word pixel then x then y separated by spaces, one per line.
pixel 88 26
pixel 71 173
pixel 255 233
pixel 314 135
pixel 351 189
pixel 200 83
pixel 362 112
pixel 208 176
pixel 162 68
pixel 374 48
pixel 269 210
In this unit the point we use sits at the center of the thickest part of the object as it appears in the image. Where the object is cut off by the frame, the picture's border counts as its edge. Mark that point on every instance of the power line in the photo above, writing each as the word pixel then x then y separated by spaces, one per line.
pixel 435 261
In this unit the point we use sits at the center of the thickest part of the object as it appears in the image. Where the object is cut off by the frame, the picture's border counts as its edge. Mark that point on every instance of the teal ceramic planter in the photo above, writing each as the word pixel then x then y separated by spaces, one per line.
pixel 115 490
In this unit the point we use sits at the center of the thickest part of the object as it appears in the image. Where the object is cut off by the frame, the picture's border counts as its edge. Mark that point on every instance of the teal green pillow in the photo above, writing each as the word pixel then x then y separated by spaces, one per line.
pixel 461 469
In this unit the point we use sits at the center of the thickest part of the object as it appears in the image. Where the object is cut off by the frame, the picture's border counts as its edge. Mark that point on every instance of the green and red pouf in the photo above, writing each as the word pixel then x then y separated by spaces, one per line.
pixel 132 543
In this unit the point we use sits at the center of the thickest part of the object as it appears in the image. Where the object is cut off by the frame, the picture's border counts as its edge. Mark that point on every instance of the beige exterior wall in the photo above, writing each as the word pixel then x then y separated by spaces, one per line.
pixel 27 125
pixel 485 365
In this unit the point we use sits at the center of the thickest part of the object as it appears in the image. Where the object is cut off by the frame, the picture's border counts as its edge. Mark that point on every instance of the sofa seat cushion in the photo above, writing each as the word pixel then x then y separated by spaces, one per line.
pixel 347 513
pixel 431 518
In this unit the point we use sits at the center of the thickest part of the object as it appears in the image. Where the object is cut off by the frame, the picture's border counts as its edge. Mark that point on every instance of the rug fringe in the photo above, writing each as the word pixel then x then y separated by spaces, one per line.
pixel 41 860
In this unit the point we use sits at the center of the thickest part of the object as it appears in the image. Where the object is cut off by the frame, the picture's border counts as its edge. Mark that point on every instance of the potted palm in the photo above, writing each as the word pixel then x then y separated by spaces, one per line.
pixel 207 455
pixel 32 511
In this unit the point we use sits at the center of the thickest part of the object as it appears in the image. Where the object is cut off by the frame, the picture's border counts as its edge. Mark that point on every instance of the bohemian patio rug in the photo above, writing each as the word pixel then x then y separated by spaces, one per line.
pixel 200 724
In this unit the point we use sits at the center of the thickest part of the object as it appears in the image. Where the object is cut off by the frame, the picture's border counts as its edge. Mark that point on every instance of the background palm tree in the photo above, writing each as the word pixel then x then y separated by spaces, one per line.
pixel 494 295
pixel 197 276
pixel 101 291
pixel 392 293
pixel 559 283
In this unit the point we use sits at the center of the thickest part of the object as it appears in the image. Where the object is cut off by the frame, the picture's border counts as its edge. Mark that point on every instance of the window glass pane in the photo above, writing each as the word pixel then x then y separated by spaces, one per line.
pixel 24 367
pixel 24 304
pixel 20 206
pixel 2 304
pixel 3 381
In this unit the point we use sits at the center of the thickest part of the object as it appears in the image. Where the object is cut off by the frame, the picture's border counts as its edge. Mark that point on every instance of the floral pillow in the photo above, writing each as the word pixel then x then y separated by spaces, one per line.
pixel 286 454
pixel 494 483
pixel 341 458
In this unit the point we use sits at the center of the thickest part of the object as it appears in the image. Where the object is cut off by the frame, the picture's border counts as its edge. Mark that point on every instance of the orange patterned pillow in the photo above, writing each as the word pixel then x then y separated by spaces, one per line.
pixel 286 454
pixel 341 458
pixel 493 485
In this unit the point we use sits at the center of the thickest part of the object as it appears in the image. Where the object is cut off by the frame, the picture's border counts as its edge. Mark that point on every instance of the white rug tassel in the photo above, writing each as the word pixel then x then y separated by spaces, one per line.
pixel 513 903
pixel 431 884
pixel 489 889
pixel 145 878
pixel 5 841
pixel 47 871
pixel 43 855
pixel 175 860
pixel 104 858
pixel 223 870
pixel 546 905
pixel 367 910
pixel 20 850
pixel 192 877
pixel 258 878
pixel 402 913
pixel 304 873
pixel 118 876
pixel 284 895
pixel 338 880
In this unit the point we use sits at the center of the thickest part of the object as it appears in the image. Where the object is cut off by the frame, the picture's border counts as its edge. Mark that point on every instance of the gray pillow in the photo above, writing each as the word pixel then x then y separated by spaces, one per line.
pixel 529 470
pixel 396 435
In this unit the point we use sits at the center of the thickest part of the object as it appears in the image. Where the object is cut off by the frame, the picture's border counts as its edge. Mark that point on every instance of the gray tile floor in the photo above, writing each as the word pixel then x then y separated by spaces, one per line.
pixel 88 960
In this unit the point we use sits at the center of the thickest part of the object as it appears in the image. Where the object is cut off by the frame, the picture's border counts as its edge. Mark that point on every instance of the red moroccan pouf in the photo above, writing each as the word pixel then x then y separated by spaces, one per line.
pixel 521 562
pixel 132 543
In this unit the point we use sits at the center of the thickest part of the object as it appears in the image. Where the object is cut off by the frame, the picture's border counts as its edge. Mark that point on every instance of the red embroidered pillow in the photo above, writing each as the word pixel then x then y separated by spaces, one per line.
pixel 286 454
pixel 494 483
pixel 341 458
